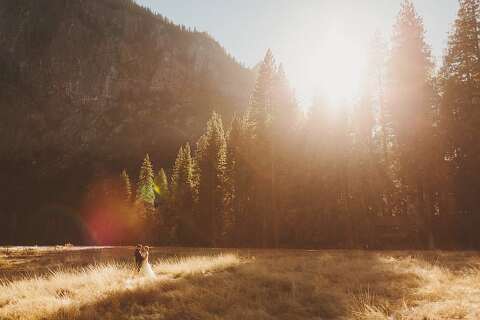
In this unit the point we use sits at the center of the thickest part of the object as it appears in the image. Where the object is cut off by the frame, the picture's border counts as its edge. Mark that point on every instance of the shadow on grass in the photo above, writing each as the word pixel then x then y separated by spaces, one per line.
pixel 271 285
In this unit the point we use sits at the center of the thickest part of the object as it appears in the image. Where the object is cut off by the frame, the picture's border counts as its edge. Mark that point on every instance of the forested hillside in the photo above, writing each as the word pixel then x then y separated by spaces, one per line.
pixel 87 87
pixel 397 167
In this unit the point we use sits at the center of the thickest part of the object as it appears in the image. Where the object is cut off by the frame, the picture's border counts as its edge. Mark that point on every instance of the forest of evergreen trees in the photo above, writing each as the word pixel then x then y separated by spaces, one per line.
pixel 399 167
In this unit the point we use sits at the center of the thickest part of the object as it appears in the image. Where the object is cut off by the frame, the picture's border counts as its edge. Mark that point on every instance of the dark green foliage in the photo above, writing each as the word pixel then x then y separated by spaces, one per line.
pixel 238 180
pixel 459 121
pixel 145 200
pixel 261 101
pixel 163 209
pixel 146 186
pixel 162 188
pixel 260 115
pixel 210 159
pixel 183 196
pixel 411 105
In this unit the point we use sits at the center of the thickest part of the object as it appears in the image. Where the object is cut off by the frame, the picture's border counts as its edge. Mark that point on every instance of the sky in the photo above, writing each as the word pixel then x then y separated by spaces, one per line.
pixel 305 35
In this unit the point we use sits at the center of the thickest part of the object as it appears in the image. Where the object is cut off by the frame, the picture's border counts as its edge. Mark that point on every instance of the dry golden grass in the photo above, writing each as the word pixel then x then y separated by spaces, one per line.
pixel 258 284
pixel 66 292
pixel 447 287
pixel 445 292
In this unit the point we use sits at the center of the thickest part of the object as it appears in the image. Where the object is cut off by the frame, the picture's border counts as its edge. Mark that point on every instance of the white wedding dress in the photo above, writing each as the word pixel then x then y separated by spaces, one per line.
pixel 146 270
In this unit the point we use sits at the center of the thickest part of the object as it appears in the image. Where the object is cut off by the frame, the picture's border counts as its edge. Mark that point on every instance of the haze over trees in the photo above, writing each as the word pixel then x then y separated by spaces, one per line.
pixel 398 166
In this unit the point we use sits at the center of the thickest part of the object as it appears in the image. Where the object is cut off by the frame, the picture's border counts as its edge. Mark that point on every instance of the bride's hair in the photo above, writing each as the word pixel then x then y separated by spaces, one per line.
pixel 146 252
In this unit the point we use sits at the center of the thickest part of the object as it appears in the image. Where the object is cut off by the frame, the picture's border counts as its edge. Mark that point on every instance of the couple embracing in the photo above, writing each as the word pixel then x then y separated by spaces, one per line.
pixel 143 267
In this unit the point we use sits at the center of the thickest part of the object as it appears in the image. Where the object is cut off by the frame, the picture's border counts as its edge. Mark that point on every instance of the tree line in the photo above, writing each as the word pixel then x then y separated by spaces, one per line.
pixel 399 166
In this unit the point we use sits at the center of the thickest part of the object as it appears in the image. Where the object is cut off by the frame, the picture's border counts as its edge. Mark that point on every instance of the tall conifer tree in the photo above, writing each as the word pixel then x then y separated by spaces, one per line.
pixel 410 103
pixel 460 116
pixel 145 200
pixel 146 186
pixel 182 197
pixel 161 185
pixel 126 187
pixel 211 163
pixel 238 181
pixel 260 122
pixel 284 117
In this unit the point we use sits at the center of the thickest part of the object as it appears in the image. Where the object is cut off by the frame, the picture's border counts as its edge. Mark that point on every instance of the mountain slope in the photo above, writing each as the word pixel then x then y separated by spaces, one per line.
pixel 90 86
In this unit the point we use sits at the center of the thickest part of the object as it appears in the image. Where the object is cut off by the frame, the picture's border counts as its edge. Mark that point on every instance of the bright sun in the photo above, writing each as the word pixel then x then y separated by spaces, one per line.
pixel 341 64
pixel 331 67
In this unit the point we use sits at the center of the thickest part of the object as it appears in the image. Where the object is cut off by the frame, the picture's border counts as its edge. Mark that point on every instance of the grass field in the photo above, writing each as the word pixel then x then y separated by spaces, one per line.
pixel 99 283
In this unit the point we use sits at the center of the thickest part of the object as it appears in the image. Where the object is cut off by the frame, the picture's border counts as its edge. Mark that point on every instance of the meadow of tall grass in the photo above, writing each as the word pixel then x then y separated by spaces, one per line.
pixel 251 284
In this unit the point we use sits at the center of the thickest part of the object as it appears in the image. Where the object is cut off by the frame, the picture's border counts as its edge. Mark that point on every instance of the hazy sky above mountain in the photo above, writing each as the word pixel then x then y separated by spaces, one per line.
pixel 296 29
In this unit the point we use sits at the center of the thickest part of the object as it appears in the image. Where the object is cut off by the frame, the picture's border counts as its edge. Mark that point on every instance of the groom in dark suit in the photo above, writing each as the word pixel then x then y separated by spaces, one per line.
pixel 138 256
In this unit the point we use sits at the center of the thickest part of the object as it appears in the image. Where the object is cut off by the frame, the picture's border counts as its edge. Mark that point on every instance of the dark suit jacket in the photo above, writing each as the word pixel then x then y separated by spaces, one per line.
pixel 138 258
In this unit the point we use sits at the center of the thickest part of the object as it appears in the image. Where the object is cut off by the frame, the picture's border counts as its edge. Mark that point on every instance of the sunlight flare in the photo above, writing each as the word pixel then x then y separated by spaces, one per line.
pixel 332 67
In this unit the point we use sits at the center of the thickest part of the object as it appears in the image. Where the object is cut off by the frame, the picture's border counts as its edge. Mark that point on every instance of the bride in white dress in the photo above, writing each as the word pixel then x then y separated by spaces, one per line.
pixel 143 266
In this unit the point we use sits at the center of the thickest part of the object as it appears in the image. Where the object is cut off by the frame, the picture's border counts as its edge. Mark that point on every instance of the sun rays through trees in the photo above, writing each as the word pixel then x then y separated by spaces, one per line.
pixel 394 165
pixel 382 170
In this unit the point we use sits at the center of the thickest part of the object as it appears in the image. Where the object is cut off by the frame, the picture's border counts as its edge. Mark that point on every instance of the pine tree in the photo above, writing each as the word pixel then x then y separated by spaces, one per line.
pixel 238 179
pixel 211 164
pixel 376 88
pixel 271 118
pixel 126 188
pixel 410 103
pixel 182 177
pixel 383 133
pixel 145 196
pixel 261 100
pixel 259 117
pixel 183 197
pixel 285 118
pixel 460 116
pixel 161 185
pixel 370 172
pixel 164 225
pixel 177 171
pixel 284 113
